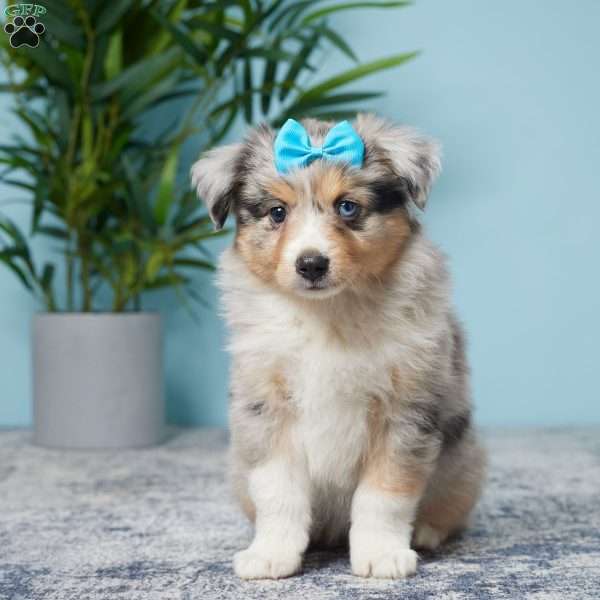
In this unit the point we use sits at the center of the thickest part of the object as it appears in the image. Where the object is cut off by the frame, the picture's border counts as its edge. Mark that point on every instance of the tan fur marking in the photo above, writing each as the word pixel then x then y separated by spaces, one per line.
pixel 396 379
pixel 381 469
pixel 257 250
pixel 247 505
pixel 393 477
pixel 261 247
pixel 406 382
pixel 328 185
pixel 282 190
pixel 455 489
pixel 449 513
pixel 367 256
pixel 280 388
pixel 379 254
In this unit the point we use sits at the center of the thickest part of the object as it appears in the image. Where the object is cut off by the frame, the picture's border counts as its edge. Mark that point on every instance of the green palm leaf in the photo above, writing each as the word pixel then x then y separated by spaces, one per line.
pixel 329 10
pixel 357 73
pixel 166 187
pixel 137 76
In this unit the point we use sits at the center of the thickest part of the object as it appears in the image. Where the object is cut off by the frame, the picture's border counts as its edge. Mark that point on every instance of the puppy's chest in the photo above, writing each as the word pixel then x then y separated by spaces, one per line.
pixel 332 393
pixel 332 379
pixel 333 437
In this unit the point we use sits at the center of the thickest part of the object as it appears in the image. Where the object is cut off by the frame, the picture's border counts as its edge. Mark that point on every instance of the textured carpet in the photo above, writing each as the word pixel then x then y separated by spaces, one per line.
pixel 160 523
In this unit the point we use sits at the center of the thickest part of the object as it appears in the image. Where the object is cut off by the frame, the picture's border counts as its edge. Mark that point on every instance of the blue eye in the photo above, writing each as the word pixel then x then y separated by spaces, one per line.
pixel 278 214
pixel 347 209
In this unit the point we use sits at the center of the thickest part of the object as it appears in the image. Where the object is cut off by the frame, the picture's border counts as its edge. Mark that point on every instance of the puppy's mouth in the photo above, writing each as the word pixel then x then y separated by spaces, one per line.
pixel 320 288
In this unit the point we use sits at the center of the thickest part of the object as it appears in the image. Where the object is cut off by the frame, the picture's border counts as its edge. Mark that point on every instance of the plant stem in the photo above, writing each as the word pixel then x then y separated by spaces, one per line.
pixel 118 303
pixel 69 275
pixel 84 249
pixel 50 304
pixel 84 244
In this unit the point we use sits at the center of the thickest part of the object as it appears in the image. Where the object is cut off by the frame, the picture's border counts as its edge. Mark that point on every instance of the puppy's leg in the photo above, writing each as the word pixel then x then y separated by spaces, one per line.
pixel 383 510
pixel 279 491
pixel 451 494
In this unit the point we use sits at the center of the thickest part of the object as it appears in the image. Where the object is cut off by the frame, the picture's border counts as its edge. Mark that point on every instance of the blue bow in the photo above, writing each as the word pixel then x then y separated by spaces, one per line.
pixel 294 150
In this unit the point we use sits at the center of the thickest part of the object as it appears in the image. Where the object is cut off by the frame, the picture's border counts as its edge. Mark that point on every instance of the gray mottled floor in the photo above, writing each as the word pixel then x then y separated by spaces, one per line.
pixel 159 523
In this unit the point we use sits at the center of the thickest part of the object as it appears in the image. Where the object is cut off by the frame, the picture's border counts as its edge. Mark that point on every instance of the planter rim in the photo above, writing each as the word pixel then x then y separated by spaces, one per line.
pixel 52 315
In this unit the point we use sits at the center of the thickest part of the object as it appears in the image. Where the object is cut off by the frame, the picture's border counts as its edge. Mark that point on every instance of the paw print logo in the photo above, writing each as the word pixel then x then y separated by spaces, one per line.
pixel 24 32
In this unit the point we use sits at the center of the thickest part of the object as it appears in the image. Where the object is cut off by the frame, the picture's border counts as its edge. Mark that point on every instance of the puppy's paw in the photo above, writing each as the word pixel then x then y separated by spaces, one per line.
pixel 427 537
pixel 275 564
pixel 391 563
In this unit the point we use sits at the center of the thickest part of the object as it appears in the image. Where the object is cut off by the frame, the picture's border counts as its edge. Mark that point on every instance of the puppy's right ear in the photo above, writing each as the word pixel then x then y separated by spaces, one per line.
pixel 214 178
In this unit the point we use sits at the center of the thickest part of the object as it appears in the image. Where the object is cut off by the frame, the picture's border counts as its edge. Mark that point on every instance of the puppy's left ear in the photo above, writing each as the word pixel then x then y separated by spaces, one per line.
pixel 412 158
pixel 422 167
pixel 214 178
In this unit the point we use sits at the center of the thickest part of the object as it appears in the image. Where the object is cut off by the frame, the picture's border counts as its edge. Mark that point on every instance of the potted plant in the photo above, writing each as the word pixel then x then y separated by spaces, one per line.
pixel 107 188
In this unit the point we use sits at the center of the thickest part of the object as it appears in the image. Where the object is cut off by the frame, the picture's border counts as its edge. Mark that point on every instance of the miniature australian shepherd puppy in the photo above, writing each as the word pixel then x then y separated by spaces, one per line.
pixel 350 408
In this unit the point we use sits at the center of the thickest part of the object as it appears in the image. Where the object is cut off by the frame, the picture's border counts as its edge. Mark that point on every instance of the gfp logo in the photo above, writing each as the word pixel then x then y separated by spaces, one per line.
pixel 25 29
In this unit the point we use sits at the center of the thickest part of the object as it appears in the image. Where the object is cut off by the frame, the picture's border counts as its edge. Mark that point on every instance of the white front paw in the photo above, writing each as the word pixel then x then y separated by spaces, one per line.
pixel 392 564
pixel 272 564
pixel 381 556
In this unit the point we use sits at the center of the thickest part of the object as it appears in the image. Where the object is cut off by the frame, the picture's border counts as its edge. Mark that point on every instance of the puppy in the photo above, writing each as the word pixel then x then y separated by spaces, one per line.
pixel 350 408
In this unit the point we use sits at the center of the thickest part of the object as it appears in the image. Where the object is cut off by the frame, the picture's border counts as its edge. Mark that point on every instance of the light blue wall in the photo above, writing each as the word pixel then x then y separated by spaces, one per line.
pixel 512 89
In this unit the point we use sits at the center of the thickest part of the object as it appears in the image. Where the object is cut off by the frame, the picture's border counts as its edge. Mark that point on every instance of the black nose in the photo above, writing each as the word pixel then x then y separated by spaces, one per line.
pixel 312 265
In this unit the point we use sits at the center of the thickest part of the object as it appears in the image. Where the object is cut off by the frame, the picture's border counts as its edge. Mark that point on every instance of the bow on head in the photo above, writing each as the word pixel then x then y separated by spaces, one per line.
pixel 293 148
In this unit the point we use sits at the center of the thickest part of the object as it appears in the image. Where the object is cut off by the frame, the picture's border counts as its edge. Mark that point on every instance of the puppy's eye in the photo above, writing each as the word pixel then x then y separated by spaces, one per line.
pixel 348 209
pixel 278 214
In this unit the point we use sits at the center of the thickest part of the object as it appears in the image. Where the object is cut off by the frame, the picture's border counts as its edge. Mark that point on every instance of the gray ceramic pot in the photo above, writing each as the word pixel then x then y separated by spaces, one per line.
pixel 97 380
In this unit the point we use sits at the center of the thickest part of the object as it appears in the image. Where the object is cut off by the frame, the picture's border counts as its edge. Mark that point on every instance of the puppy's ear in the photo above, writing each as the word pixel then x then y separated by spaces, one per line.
pixel 424 166
pixel 214 178
pixel 403 153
